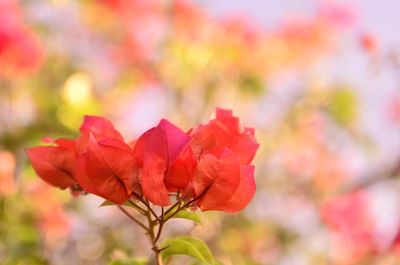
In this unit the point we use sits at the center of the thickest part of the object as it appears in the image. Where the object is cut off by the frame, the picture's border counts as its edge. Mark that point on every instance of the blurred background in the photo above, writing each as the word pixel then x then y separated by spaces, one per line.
pixel 319 80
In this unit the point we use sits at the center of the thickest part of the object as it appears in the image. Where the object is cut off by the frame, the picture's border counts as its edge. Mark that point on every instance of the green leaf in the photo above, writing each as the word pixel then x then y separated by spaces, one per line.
pixel 343 106
pixel 188 246
pixel 171 212
pixel 107 203
pixel 193 216
pixel 110 203
pixel 252 84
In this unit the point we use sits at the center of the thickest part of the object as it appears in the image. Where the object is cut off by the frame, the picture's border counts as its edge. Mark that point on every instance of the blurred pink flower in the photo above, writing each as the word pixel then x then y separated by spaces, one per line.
pixel 52 219
pixel 7 171
pixel 338 14
pixel 142 25
pixel 348 216
pixel 189 20
pixel 242 28
pixel 394 110
pixel 20 50
pixel 55 223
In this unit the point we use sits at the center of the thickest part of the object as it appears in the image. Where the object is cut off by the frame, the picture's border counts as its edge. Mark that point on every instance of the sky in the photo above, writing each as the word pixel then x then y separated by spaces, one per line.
pixel 381 17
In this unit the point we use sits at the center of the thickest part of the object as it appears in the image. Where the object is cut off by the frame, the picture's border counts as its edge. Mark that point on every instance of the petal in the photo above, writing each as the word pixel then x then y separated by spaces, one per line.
pixel 225 132
pixel 180 174
pixel 250 131
pixel 216 180
pixel 223 113
pixel 119 157
pixel 99 127
pixel 66 143
pixel 203 139
pixel 53 164
pixel 177 140
pixel 47 140
pixel 151 152
pixel 82 177
pixel 243 194
pixel 106 170
pixel 245 147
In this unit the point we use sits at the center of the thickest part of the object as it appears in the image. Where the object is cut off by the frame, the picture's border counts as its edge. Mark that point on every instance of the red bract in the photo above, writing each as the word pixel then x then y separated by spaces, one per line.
pixel 100 128
pixel 55 164
pixel 106 166
pixel 225 132
pixel 180 174
pixel 156 151
pixel 209 166
pixel 216 180
pixel 224 180
pixel 107 169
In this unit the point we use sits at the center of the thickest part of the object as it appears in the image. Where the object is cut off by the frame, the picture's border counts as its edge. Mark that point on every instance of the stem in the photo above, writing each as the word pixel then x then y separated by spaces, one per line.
pixel 147 204
pixel 159 221
pixel 159 259
pixel 151 234
pixel 171 208
pixel 151 210
pixel 137 207
pixel 131 217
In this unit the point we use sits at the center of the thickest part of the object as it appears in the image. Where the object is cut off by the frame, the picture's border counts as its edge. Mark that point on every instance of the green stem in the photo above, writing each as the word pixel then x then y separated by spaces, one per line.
pixel 158 221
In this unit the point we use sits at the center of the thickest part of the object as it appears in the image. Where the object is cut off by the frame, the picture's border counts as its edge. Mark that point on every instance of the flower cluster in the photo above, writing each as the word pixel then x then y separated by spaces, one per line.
pixel 210 165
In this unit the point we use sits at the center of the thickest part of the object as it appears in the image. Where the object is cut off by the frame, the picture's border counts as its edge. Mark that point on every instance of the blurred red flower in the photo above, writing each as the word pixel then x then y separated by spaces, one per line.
pixel 369 43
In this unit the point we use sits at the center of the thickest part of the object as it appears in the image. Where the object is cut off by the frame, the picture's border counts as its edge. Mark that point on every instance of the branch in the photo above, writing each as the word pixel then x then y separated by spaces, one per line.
pixel 137 207
pixel 132 218
pixel 146 203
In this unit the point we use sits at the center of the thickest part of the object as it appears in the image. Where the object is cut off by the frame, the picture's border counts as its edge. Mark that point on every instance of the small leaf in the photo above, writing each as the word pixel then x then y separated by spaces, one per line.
pixel 193 216
pixel 343 106
pixel 252 84
pixel 171 212
pixel 189 246
pixel 110 203
pixel 107 203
